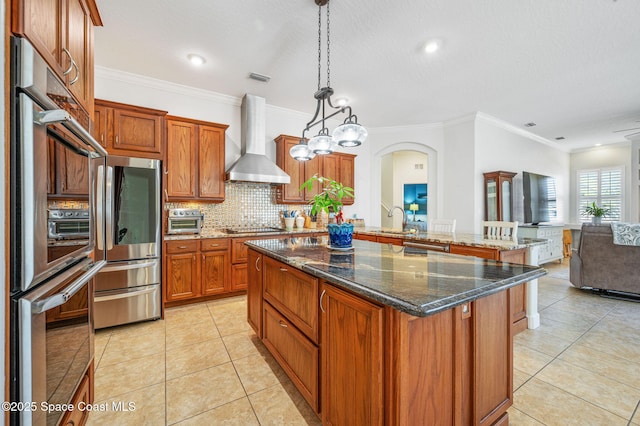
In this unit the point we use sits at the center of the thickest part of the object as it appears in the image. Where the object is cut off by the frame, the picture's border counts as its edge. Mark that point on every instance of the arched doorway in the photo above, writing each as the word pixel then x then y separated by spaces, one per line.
pixel 399 164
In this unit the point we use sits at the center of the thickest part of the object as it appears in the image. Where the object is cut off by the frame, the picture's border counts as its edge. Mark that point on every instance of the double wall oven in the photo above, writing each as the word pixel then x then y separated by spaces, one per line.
pixel 51 294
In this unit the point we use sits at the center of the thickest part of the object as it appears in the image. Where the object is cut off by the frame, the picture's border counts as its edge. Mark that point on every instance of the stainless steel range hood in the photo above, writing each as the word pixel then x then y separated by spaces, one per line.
pixel 253 165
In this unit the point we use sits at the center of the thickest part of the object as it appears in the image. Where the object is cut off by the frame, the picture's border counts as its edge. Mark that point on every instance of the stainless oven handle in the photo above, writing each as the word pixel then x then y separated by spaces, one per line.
pixel 125 295
pixel 114 268
pixel 62 297
pixel 100 208
pixel 62 116
pixel 434 247
pixel 109 208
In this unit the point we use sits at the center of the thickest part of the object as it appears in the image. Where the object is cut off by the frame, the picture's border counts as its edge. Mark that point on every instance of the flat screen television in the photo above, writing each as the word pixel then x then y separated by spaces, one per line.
pixel 539 193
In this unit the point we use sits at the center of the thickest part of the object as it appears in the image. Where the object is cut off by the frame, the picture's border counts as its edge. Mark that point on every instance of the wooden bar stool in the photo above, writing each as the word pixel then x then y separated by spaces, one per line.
pixel 567 240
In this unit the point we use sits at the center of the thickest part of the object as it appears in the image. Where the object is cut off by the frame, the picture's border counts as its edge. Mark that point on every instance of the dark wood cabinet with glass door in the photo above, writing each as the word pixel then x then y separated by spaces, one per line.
pixel 498 196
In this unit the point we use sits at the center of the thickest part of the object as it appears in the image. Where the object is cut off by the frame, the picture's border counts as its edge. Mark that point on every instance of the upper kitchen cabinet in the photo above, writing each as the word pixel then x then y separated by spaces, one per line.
pixel 129 130
pixel 338 166
pixel 62 32
pixel 194 160
pixel 290 193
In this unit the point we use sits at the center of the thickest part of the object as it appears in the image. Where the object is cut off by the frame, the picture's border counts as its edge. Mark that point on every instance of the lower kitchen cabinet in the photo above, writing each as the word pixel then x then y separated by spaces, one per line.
pixel 352 359
pixel 254 291
pixel 375 365
pixel 84 395
pixel 195 269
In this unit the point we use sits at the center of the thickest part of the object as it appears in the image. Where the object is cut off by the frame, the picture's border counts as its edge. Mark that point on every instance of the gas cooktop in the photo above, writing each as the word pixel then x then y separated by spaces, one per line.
pixel 262 230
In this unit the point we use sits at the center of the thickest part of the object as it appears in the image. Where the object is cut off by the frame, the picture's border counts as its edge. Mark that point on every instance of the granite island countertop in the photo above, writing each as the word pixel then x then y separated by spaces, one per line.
pixel 463 239
pixel 414 281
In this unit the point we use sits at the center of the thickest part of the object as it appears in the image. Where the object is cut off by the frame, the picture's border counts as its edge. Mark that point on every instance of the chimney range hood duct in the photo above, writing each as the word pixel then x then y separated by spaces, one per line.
pixel 253 165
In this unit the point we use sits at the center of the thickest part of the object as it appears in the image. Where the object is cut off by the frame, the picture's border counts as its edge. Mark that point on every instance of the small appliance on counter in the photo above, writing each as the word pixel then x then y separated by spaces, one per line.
pixel 68 224
pixel 184 221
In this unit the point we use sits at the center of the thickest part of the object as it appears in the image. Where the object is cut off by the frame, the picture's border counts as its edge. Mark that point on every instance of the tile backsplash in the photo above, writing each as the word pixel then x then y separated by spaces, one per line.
pixel 246 205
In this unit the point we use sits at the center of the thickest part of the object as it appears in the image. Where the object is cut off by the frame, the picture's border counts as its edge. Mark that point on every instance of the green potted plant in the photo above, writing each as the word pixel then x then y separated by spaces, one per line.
pixel 596 213
pixel 330 200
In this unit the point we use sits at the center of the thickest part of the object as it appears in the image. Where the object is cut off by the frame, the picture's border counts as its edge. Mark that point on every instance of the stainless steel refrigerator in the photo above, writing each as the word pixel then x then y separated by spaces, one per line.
pixel 128 288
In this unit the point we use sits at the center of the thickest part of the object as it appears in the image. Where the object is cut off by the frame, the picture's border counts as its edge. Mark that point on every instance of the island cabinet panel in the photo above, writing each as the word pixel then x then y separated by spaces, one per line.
pixel 352 354
pixel 297 355
pixel 390 240
pixel 254 291
pixel 485 253
pixel 293 293
pixel 365 237
pixel 493 358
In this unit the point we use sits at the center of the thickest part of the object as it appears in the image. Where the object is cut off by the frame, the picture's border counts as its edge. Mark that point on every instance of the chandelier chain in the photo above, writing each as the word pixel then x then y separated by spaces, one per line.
pixel 319 44
pixel 328 49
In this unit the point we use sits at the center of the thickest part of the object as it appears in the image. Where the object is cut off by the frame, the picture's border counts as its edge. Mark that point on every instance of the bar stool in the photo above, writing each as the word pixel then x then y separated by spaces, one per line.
pixel 567 240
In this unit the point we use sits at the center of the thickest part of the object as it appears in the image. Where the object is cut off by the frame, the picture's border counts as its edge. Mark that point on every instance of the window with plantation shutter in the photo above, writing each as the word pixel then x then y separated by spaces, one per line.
pixel 604 187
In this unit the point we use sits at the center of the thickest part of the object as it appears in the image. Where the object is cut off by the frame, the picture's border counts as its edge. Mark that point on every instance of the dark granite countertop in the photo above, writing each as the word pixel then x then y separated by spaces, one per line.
pixel 414 281
pixel 463 239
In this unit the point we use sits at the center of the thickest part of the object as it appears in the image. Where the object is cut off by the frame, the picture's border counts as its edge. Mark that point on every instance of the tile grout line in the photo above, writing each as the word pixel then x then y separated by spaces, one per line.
pixel 634 413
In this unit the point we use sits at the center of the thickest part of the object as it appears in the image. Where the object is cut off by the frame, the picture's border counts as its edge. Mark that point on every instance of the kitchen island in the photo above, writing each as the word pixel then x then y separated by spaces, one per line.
pixel 382 334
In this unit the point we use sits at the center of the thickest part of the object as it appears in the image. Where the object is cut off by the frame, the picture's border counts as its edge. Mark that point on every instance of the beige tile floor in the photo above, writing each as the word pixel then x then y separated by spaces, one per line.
pixel 202 365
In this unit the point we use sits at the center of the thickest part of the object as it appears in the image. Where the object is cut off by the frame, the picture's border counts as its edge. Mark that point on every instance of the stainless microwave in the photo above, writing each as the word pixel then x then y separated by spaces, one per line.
pixel 184 221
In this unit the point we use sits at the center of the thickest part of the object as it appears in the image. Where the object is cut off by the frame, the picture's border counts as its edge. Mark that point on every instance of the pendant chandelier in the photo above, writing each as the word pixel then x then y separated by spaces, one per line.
pixel 349 133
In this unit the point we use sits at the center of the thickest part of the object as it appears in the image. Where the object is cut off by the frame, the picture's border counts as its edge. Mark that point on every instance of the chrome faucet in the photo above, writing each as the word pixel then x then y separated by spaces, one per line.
pixel 404 215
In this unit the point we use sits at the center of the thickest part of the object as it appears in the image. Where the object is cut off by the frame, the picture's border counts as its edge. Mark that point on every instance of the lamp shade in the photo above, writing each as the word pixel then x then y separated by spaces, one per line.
pixel 413 207
pixel 350 134
pixel 322 144
pixel 301 152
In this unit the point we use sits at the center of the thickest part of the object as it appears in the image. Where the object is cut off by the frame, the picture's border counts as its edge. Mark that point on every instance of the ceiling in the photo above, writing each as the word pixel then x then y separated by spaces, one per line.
pixel 572 66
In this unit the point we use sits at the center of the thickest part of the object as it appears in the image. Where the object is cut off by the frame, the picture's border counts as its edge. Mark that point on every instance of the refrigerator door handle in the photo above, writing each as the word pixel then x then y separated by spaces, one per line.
pixel 109 230
pixel 100 208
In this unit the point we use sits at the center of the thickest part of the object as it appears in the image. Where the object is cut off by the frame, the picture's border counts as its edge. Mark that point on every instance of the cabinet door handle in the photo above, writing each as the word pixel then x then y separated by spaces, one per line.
pixel 166 172
pixel 283 269
pixel 203 257
pixel 182 247
pixel 321 296
pixel 283 324
pixel 166 195
pixel 68 70
pixel 75 79
pixel 116 139
pixel 257 261
pixel 214 245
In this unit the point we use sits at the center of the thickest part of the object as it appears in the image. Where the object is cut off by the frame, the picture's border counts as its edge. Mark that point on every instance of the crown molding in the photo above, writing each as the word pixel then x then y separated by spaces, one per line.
pixel 154 83
pixel 406 127
pixel 517 130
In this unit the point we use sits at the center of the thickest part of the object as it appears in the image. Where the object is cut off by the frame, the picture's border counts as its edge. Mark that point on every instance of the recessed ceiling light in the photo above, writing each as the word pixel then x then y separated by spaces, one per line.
pixel 598 144
pixel 432 46
pixel 196 59
pixel 342 102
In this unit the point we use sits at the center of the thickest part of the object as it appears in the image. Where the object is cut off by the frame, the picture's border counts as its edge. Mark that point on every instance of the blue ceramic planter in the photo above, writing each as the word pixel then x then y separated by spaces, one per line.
pixel 340 236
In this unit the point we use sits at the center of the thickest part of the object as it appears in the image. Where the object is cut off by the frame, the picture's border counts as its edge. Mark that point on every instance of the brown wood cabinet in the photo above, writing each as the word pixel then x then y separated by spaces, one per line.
pixel 195 269
pixel 182 280
pixel 378 365
pixel 195 160
pixel 498 196
pixel 291 325
pixel 84 395
pixel 129 130
pixel 214 266
pixel 338 166
pixel 255 270
pixel 352 354
pixel 62 32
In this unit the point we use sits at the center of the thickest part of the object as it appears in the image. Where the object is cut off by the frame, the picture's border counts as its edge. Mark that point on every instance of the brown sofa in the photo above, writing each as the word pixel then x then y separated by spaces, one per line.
pixel 600 264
